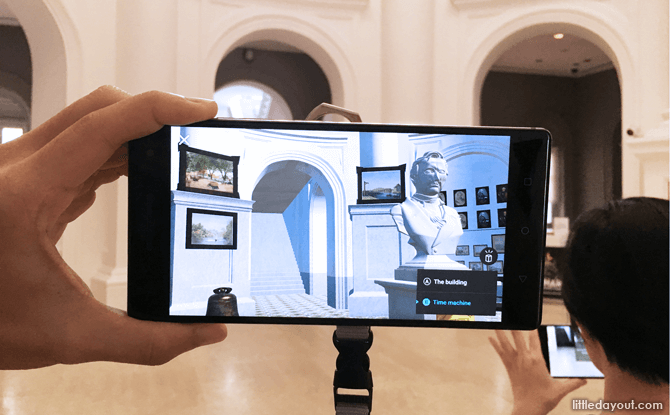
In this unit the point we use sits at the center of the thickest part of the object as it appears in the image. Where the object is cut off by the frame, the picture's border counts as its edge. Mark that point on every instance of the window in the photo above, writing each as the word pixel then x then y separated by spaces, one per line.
pixel 10 133
pixel 248 99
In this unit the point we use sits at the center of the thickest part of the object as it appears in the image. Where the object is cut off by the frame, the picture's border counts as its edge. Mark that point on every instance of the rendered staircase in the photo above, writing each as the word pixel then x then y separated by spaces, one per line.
pixel 274 270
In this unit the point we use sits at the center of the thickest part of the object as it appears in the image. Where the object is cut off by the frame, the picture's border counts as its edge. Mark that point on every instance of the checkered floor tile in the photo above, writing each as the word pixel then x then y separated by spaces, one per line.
pixel 296 305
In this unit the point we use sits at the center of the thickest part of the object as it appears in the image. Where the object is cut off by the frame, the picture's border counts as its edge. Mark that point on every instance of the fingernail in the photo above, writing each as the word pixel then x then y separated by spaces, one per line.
pixel 200 100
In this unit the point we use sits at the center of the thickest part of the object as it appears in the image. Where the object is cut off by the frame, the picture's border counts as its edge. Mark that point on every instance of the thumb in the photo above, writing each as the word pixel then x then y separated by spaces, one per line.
pixel 566 386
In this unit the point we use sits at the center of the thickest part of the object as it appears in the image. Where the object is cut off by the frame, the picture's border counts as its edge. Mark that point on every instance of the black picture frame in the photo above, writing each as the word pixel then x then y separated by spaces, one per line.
pixel 498 243
pixel 464 219
pixel 189 178
pixel 462 250
pixel 460 198
pixel 225 222
pixel 476 266
pixel 369 176
pixel 482 195
pixel 502 218
pixel 496 266
pixel 483 219
pixel 443 197
pixel 501 193
pixel 477 249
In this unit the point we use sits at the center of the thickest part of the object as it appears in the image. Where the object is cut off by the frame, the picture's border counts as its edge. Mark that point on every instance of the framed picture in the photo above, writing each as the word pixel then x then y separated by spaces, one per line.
pixel 482 195
pixel 461 262
pixel 501 193
pixel 478 249
pixel 502 218
pixel 498 243
pixel 210 229
pixel 497 267
pixel 483 219
pixel 464 219
pixel 460 198
pixel 381 184
pixel 443 197
pixel 476 266
pixel 463 250
pixel 202 171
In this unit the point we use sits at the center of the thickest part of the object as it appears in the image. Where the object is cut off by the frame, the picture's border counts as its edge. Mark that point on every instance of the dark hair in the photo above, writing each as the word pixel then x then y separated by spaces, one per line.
pixel 616 283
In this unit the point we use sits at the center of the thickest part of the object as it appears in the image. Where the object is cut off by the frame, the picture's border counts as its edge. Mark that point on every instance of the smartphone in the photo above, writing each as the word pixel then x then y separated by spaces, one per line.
pixel 246 221
pixel 565 354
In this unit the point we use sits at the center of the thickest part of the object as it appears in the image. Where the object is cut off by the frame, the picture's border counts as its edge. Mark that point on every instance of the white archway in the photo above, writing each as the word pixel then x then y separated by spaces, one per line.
pixel 577 22
pixel 330 180
pixel 56 55
pixel 309 38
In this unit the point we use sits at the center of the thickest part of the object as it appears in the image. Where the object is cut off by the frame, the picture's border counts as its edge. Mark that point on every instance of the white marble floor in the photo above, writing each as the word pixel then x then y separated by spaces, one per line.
pixel 264 369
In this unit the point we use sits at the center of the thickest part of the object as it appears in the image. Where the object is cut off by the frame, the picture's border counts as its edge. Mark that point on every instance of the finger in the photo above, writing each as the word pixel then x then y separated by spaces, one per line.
pixel 79 151
pixel 534 343
pixel 123 339
pixel 505 344
pixel 100 98
pixel 496 346
pixel 566 386
pixel 519 341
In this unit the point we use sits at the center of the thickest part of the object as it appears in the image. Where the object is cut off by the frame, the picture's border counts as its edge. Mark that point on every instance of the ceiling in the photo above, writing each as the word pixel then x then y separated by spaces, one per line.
pixel 543 55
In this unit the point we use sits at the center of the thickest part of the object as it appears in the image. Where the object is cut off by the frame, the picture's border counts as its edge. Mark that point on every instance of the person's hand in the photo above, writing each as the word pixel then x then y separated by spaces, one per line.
pixel 48 178
pixel 535 391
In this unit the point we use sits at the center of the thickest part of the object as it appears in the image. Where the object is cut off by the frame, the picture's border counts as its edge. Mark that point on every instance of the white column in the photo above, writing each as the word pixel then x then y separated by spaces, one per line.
pixel 379 149
pixel 407 61
pixel 147 45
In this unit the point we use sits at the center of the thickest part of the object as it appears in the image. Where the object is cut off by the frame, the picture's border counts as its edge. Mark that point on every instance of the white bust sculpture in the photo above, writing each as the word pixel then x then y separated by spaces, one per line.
pixel 433 228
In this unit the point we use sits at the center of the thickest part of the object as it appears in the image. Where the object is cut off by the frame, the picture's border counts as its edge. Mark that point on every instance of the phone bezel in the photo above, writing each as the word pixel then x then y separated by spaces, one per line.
pixel 149 204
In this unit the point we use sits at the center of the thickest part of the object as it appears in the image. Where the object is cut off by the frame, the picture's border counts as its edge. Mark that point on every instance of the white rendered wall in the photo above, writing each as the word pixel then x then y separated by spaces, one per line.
pixel 390 60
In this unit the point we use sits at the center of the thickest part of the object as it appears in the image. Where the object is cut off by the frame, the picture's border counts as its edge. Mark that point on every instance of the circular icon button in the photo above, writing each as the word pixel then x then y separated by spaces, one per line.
pixel 426 302
pixel 488 256
pixel 426 281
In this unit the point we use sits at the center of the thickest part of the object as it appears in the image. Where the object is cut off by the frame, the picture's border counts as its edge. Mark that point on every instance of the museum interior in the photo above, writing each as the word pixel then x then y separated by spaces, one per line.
pixel 592 72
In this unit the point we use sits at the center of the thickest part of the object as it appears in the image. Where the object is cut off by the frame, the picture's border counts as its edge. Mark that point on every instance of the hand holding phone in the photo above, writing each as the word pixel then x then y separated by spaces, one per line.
pixel 535 391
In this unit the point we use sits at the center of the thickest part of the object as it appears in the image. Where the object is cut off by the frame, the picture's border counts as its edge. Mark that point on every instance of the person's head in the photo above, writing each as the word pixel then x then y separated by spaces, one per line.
pixel 428 173
pixel 616 284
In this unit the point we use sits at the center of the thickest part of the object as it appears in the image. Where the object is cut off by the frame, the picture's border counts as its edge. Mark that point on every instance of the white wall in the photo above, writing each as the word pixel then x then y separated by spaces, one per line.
pixel 391 60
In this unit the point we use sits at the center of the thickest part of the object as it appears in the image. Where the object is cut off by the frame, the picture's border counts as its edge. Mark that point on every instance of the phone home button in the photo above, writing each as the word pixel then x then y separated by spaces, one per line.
pixel 525 230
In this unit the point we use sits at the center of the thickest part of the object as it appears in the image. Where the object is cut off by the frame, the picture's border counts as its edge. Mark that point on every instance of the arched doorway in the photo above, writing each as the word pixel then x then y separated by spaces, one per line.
pixel 280 81
pixel 568 85
pixel 293 242
pixel 15 79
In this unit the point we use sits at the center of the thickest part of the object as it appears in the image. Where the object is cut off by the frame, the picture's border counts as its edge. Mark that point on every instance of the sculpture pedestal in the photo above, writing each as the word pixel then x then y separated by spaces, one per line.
pixel 402 299
pixel 402 292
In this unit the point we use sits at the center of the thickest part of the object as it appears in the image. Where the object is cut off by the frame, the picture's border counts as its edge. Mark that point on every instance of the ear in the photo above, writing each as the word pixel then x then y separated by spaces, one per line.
pixel 595 350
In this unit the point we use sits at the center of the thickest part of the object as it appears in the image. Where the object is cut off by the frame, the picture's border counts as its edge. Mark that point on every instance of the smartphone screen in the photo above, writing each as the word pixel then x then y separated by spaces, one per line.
pixel 565 353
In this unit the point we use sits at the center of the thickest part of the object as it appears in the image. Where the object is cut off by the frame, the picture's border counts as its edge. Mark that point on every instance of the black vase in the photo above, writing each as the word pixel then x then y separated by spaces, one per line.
pixel 222 303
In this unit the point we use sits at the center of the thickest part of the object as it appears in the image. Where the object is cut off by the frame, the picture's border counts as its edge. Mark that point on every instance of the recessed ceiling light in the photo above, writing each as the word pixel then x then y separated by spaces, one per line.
pixel 558 36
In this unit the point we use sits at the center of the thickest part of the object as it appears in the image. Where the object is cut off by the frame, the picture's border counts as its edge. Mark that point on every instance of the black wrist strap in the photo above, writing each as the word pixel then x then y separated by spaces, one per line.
pixel 353 370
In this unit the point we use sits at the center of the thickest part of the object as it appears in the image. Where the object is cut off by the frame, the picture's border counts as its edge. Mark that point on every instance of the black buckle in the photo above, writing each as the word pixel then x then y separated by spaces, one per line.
pixel 353 369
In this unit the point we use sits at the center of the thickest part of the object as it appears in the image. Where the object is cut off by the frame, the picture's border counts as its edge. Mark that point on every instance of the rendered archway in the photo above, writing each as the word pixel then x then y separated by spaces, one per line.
pixel 305 36
pixel 320 173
